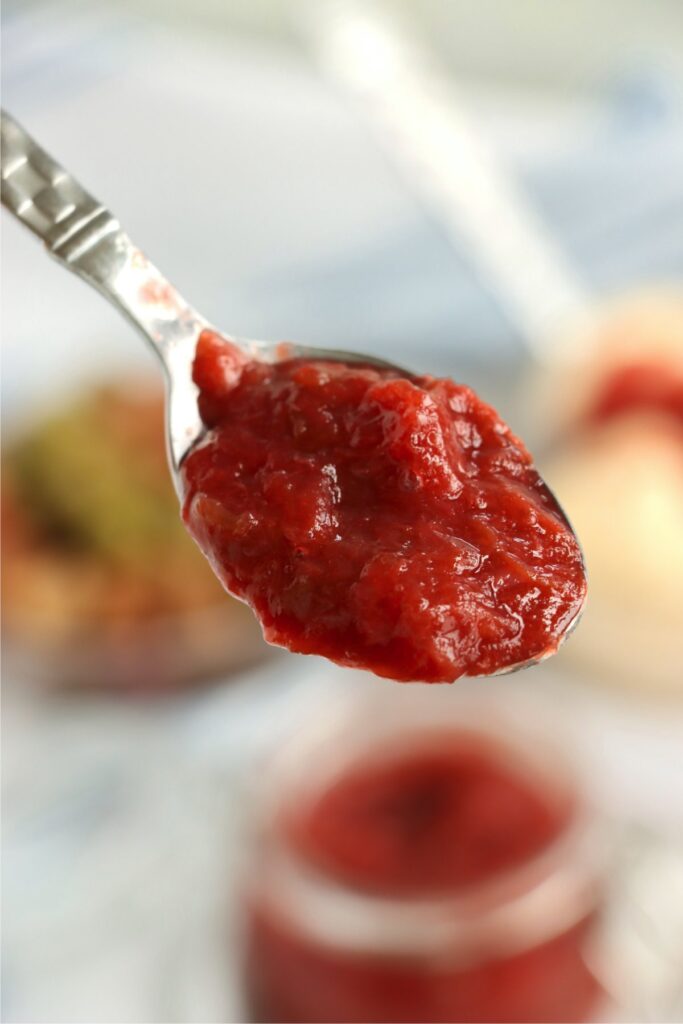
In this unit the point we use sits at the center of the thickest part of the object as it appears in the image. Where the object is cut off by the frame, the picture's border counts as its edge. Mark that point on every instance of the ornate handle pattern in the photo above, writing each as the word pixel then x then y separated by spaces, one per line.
pixel 86 237
pixel 47 199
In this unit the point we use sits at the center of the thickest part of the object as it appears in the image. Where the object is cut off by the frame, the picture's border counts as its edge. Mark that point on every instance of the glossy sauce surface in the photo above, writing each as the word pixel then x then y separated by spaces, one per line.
pixel 388 523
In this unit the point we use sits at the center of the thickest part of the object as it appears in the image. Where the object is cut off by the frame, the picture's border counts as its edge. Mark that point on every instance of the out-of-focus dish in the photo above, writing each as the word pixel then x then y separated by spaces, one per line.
pixel 615 420
pixel 102 588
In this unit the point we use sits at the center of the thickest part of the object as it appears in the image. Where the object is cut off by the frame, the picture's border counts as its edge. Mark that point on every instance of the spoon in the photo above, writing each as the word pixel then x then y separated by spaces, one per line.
pixel 86 238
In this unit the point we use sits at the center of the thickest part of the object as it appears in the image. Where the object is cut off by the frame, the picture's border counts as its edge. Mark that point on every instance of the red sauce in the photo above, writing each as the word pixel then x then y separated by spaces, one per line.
pixel 387 523
pixel 640 387
pixel 444 815
pixel 432 820
pixel 291 980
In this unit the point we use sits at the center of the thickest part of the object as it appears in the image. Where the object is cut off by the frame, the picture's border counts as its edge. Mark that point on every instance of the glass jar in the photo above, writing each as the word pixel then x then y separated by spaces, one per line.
pixel 414 861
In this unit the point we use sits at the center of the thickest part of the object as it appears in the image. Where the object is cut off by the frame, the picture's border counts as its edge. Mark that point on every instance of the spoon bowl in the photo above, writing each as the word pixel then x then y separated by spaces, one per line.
pixel 85 237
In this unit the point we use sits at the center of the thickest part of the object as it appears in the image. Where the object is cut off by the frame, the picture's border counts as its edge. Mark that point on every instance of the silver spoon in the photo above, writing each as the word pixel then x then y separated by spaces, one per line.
pixel 84 236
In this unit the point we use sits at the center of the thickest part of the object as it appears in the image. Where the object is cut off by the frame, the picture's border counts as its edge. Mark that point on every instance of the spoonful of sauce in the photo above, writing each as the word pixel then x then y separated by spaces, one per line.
pixel 387 521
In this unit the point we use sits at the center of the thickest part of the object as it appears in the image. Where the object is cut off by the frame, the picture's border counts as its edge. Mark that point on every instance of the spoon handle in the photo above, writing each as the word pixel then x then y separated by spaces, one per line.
pixel 83 235
pixel 86 238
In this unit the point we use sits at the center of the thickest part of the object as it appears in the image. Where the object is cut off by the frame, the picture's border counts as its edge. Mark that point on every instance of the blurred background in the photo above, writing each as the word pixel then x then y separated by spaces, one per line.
pixel 490 191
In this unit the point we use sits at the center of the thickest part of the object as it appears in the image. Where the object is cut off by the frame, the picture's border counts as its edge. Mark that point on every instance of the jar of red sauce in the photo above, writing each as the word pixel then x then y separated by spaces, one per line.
pixel 411 865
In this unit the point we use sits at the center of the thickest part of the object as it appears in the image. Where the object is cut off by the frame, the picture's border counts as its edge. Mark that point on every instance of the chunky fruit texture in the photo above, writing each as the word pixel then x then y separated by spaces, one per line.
pixel 389 523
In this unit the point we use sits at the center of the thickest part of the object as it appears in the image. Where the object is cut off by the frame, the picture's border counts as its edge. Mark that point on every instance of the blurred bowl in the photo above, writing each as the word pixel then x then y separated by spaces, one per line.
pixel 102 588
